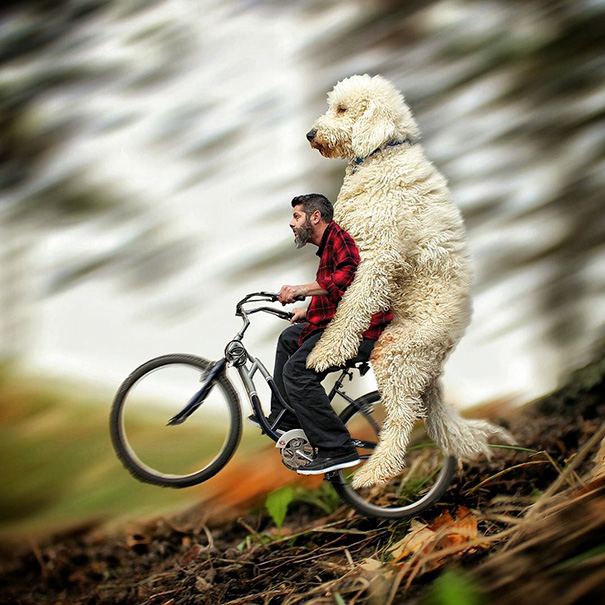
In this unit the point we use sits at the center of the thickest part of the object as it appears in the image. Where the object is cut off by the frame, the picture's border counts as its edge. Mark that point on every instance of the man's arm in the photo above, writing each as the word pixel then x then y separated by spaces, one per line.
pixel 288 294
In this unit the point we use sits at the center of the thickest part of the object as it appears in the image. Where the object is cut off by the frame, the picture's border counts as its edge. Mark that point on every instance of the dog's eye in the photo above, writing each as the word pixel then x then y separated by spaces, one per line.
pixel 341 109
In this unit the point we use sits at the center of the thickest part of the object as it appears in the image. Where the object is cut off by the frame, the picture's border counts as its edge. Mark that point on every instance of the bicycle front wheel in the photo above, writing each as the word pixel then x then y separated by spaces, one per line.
pixel 178 455
pixel 422 482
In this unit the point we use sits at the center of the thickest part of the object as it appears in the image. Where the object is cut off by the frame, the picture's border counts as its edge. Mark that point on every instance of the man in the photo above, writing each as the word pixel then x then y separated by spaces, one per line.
pixel 312 223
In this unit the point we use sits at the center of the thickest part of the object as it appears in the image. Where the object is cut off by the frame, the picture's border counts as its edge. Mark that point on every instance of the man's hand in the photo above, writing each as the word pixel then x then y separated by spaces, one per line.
pixel 287 294
pixel 298 315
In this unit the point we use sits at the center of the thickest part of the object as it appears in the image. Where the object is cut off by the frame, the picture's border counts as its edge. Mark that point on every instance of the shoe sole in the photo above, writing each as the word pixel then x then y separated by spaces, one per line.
pixel 334 467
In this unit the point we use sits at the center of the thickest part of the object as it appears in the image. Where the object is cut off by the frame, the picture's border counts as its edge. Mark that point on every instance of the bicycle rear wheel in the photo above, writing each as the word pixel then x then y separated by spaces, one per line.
pixel 422 482
pixel 179 455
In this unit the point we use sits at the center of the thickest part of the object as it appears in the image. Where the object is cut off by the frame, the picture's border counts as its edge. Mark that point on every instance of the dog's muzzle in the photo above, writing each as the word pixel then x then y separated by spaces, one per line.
pixel 311 134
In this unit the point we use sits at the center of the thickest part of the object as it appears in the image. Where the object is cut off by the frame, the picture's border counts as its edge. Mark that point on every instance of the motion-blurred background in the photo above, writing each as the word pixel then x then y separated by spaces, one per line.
pixel 150 152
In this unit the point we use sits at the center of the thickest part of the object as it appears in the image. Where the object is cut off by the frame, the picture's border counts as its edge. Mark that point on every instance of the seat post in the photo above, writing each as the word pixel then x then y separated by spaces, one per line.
pixel 345 372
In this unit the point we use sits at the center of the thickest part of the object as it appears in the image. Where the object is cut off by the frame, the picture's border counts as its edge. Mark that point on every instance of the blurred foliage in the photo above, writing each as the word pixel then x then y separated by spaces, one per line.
pixel 45 49
pixel 59 468
pixel 453 587
pixel 98 95
pixel 510 98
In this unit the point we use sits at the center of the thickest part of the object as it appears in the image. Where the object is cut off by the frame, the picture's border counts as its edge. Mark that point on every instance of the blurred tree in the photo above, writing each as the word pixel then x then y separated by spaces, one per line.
pixel 509 96
pixel 43 55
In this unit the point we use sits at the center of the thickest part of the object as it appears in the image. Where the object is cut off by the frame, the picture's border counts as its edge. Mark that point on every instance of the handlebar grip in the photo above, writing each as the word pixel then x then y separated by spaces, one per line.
pixel 273 296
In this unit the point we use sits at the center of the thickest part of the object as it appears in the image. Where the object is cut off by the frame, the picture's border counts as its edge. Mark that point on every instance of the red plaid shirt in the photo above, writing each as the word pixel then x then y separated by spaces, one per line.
pixel 338 260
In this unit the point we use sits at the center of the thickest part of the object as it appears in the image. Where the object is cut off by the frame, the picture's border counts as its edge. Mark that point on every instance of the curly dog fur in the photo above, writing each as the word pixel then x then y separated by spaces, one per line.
pixel 414 261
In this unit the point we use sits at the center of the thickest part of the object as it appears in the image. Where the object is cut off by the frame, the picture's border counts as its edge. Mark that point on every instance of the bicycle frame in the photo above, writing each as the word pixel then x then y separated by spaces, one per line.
pixel 247 377
pixel 247 366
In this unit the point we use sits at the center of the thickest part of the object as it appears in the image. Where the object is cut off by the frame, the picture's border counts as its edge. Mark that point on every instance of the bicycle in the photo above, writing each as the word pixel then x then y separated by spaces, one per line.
pixel 155 451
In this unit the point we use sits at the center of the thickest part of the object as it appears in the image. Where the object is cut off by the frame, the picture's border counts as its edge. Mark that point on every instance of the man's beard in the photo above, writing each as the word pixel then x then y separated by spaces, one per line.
pixel 302 234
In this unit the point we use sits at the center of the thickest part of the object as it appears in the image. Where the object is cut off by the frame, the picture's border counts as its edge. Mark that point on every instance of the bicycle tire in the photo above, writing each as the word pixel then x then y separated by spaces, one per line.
pixel 355 500
pixel 130 458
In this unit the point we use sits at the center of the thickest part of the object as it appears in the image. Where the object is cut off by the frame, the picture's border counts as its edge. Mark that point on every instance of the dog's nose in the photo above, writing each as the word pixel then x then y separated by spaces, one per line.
pixel 311 134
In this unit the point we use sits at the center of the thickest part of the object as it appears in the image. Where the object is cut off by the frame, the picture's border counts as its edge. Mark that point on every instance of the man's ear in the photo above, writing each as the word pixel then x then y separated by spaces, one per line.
pixel 371 130
pixel 316 217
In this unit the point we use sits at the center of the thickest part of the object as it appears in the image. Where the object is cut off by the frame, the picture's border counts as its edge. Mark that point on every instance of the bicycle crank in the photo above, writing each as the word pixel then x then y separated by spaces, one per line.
pixel 296 451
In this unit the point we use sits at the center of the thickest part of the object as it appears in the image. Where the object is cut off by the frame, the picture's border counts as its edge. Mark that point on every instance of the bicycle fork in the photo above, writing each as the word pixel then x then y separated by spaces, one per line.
pixel 197 400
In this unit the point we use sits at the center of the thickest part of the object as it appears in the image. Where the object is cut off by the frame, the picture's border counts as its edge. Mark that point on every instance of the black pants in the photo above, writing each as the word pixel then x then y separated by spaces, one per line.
pixel 302 389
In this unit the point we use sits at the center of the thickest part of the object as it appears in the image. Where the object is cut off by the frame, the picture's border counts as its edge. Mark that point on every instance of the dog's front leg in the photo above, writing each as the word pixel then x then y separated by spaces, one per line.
pixel 370 292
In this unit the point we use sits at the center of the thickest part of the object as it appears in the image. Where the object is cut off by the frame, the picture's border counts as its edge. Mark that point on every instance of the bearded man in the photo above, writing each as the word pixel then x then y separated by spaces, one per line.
pixel 300 386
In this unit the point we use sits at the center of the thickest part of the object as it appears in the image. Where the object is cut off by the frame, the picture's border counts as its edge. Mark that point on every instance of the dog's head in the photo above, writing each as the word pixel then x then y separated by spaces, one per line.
pixel 364 114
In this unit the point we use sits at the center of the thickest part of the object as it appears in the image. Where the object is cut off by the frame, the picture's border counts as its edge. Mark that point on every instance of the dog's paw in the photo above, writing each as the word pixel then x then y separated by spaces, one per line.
pixel 321 358
pixel 387 461
pixel 368 477
pixel 332 352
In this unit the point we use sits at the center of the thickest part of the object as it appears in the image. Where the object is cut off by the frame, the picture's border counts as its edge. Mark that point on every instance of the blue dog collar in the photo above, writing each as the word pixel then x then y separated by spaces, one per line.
pixel 359 161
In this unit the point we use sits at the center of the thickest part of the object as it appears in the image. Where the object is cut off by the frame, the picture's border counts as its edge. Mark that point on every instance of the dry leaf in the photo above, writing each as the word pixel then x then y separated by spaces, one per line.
pixel 419 536
pixel 458 531
pixel 370 565
pixel 378 578
pixel 444 532
pixel 191 554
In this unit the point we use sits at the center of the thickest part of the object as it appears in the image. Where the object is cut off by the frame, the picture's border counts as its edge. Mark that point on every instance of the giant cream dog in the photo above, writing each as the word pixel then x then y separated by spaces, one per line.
pixel 414 261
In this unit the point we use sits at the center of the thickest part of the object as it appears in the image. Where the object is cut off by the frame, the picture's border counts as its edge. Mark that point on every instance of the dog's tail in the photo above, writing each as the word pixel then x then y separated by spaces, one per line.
pixel 455 435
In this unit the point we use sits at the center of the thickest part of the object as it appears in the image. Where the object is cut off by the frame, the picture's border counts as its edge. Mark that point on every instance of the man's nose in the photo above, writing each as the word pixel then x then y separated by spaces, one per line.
pixel 311 134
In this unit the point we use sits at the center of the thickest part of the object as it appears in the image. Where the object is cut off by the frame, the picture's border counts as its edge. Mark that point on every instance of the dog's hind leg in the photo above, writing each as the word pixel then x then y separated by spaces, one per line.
pixel 407 361
pixel 403 370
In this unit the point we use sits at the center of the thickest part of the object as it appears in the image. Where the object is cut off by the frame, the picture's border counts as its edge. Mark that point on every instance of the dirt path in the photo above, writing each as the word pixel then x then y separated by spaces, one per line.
pixel 519 528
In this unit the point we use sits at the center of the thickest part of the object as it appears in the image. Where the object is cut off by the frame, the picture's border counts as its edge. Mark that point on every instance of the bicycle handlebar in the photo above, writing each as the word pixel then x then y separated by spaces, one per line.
pixel 267 296
pixel 263 297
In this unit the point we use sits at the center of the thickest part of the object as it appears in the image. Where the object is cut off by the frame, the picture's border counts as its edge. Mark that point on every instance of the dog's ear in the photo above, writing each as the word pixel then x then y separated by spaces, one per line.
pixel 372 129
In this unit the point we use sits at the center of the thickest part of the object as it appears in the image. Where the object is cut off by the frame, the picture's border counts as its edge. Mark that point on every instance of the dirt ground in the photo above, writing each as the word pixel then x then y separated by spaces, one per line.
pixel 516 529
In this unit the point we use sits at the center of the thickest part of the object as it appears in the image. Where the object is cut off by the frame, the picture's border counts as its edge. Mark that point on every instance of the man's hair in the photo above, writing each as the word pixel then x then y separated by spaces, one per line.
pixel 315 201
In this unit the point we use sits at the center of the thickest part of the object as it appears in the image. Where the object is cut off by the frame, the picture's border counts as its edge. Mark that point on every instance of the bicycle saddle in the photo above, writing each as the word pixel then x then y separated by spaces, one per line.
pixel 359 363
